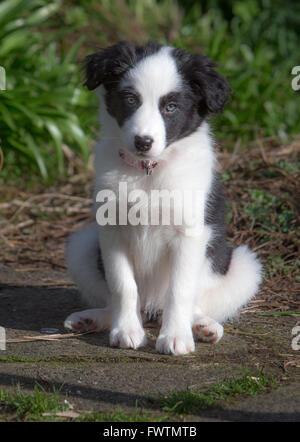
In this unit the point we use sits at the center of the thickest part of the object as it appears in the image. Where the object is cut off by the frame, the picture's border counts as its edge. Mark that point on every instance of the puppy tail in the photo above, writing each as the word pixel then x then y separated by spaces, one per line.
pixel 83 260
pixel 236 288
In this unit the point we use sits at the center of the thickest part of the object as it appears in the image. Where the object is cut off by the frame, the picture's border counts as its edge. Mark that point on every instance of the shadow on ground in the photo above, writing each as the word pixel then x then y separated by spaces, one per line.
pixel 97 377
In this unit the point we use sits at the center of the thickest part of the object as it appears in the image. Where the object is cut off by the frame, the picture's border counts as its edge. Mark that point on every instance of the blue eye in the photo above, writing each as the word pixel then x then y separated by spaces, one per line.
pixel 131 100
pixel 170 108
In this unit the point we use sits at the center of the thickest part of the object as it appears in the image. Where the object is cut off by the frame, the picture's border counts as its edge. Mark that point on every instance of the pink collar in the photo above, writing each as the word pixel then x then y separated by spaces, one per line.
pixel 147 165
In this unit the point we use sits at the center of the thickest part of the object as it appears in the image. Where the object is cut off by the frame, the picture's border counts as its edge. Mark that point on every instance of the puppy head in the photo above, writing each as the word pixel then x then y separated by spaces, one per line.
pixel 157 94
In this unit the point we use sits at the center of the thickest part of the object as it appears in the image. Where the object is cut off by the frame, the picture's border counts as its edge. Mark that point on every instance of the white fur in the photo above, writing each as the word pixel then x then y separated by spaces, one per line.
pixel 151 268
pixel 149 82
pixel 82 259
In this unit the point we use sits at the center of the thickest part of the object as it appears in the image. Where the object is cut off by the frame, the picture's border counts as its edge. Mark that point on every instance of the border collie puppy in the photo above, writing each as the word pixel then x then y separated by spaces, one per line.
pixel 154 105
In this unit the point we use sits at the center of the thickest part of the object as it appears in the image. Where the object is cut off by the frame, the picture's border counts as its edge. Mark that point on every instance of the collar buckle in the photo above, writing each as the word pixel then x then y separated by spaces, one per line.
pixel 148 167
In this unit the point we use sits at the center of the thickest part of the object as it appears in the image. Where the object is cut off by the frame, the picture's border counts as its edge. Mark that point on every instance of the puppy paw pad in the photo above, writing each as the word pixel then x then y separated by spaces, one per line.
pixel 210 333
pixel 77 323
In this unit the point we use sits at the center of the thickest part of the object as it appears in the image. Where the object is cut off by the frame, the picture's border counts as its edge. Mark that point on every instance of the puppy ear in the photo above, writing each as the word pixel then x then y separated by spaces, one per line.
pixel 107 65
pixel 212 85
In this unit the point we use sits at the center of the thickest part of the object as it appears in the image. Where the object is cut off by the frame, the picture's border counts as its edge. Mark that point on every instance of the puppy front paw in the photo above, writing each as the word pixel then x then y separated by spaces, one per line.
pixel 128 337
pixel 177 344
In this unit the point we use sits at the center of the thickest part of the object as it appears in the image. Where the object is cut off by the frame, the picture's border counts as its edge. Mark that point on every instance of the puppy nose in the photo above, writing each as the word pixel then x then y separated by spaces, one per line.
pixel 143 144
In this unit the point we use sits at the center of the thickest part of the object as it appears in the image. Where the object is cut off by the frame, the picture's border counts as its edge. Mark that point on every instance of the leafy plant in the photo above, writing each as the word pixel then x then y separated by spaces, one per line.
pixel 256 49
pixel 39 108
pixel 45 113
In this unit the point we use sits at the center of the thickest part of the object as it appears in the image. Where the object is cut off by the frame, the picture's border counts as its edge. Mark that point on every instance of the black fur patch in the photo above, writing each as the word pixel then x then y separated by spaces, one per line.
pixel 100 264
pixel 185 119
pixel 118 107
pixel 204 90
pixel 209 86
pixel 108 65
pixel 218 251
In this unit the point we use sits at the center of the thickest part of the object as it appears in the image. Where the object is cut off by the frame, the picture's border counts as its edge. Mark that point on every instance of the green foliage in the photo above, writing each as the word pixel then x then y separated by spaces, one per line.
pixel 133 20
pixel 270 212
pixel 256 45
pixel 276 265
pixel 255 42
pixel 44 109
pixel 40 108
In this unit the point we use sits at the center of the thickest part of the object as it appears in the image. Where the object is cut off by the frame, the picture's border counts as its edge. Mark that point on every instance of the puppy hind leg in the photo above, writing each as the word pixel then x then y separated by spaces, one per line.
pixel 83 255
pixel 83 260
pixel 206 329
pixel 96 319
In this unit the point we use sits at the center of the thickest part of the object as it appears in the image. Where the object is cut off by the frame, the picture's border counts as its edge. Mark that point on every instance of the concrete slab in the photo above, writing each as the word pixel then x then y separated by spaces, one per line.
pixel 97 377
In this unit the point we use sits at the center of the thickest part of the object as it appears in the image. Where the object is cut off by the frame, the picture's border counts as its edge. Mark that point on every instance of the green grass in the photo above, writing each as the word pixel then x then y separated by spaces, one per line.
pixel 9 359
pixel 24 406
pixel 194 400
pixel 16 405
pixel 121 416
pixel 286 313
pixel 72 360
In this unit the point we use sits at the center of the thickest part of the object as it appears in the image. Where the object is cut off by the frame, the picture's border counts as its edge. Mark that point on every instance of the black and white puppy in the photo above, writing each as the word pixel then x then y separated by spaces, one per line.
pixel 155 101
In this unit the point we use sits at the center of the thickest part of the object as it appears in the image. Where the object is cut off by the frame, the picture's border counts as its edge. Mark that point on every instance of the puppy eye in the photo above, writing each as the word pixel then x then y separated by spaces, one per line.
pixel 170 108
pixel 130 99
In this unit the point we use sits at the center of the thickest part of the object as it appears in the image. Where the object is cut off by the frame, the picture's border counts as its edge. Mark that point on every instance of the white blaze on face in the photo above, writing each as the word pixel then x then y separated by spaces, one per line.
pixel 153 77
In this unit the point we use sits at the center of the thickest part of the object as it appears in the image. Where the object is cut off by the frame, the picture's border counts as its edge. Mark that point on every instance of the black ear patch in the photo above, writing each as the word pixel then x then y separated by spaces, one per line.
pixel 211 83
pixel 211 87
pixel 107 65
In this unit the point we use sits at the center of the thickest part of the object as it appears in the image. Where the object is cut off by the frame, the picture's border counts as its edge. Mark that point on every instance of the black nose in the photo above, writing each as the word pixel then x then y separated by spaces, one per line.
pixel 143 144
